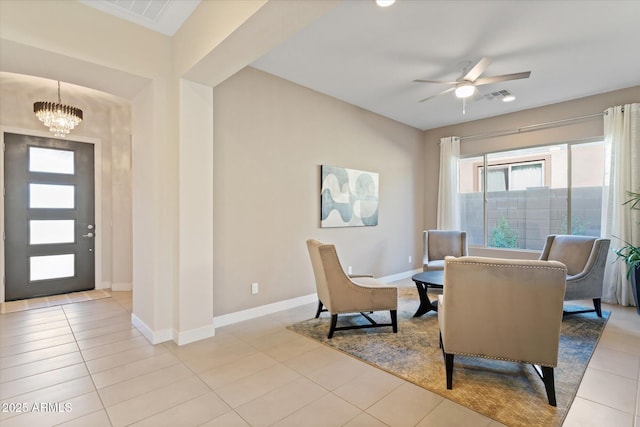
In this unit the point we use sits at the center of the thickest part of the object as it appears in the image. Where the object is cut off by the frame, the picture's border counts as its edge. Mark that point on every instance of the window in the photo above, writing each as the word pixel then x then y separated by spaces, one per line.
pixel 513 176
pixel 531 193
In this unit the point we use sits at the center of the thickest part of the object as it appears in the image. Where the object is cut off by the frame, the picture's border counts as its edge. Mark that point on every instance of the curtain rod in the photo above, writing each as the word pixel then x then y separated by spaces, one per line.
pixel 531 127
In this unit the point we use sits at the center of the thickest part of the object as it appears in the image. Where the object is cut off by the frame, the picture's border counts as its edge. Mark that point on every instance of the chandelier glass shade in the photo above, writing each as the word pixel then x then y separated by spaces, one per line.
pixel 59 118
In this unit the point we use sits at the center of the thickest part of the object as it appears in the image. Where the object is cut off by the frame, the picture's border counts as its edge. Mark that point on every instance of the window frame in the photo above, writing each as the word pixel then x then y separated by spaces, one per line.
pixel 546 176
pixel 479 167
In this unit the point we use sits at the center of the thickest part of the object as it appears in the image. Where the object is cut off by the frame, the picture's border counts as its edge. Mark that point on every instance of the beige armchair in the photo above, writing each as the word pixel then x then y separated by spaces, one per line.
pixel 585 258
pixel 341 294
pixel 490 308
pixel 441 243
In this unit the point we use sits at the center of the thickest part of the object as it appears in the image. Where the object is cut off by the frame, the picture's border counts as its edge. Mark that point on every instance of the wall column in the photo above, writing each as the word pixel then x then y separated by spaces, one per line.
pixel 194 306
pixel 154 213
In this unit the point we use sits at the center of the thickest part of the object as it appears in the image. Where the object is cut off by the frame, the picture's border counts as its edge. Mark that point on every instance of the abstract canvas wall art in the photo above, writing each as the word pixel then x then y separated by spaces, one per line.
pixel 349 197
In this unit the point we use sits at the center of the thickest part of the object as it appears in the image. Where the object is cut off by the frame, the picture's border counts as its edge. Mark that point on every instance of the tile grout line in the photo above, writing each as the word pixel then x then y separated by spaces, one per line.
pixel 180 361
pixel 104 408
pixel 284 324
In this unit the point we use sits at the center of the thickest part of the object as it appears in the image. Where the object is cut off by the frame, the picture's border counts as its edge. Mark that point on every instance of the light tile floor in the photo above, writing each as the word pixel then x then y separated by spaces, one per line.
pixel 83 364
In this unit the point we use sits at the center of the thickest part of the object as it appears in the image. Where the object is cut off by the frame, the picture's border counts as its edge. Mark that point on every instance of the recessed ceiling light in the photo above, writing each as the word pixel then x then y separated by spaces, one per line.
pixel 508 98
pixel 385 3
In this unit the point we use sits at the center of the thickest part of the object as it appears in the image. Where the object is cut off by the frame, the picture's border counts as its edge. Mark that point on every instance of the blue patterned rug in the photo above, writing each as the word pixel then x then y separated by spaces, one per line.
pixel 508 392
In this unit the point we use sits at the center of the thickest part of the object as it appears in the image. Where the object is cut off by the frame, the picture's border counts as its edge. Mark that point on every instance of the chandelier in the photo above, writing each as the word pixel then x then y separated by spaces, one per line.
pixel 59 118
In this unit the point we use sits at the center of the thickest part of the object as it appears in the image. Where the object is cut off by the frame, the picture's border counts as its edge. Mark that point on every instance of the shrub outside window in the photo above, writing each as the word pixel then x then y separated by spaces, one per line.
pixel 531 193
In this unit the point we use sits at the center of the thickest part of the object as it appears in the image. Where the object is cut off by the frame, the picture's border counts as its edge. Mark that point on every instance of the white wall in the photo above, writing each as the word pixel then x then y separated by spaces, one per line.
pixel 194 297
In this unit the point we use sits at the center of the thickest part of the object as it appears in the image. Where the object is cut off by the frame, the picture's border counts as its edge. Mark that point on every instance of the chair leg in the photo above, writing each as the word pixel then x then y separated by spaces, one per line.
pixel 319 309
pixel 334 322
pixel 549 385
pixel 597 304
pixel 394 320
pixel 448 364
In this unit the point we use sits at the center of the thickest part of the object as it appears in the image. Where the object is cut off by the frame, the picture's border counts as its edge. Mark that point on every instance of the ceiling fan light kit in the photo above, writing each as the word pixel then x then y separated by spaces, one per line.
pixel 385 3
pixel 465 90
pixel 465 86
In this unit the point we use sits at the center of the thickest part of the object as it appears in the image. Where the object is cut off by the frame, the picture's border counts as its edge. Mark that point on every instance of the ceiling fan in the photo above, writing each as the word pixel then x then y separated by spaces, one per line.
pixel 466 84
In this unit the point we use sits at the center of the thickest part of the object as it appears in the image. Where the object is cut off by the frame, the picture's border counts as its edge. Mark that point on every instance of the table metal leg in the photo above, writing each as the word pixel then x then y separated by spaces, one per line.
pixel 425 304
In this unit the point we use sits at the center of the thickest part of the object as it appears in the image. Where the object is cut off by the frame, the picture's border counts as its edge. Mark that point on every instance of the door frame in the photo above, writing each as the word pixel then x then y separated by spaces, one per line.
pixel 97 172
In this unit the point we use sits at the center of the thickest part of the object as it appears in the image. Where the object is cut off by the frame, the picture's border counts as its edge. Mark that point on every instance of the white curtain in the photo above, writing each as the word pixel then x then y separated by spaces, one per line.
pixel 448 205
pixel 622 174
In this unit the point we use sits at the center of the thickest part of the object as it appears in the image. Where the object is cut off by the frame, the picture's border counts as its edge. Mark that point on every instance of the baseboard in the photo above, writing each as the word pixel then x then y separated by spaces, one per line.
pixel 252 313
pixel 186 337
pixel 103 285
pixel 121 286
pixel 399 276
pixel 154 337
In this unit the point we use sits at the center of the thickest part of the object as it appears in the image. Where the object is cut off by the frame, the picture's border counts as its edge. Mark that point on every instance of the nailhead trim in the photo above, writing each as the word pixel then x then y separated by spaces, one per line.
pixel 508 265
pixel 502 358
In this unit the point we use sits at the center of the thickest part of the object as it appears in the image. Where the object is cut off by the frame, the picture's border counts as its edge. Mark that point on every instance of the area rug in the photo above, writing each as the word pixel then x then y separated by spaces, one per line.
pixel 508 392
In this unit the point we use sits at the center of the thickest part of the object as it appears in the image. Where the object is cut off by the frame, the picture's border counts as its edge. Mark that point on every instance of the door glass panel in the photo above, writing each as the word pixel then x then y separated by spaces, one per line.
pixel 46 196
pixel 51 267
pixel 51 231
pixel 50 160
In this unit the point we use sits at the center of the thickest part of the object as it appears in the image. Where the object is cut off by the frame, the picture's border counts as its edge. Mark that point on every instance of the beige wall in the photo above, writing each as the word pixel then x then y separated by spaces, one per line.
pixel 270 138
pixel 108 119
pixel 97 50
pixel 575 131
pixel 266 131
pixel 68 41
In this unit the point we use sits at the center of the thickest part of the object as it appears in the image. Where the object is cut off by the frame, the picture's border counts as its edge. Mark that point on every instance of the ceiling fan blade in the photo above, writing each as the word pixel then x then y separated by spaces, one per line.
pixel 477 70
pixel 438 94
pixel 435 81
pixel 502 78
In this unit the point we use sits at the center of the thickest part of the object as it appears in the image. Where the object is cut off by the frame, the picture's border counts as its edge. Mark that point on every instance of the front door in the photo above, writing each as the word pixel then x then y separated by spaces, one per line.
pixel 49 216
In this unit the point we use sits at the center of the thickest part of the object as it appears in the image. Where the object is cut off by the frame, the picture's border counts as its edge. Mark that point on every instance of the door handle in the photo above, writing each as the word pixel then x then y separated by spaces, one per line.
pixel 88 235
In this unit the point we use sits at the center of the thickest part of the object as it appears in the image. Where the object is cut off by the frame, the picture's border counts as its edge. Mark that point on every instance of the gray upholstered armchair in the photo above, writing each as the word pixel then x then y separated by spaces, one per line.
pixel 441 243
pixel 490 308
pixel 585 258
pixel 341 294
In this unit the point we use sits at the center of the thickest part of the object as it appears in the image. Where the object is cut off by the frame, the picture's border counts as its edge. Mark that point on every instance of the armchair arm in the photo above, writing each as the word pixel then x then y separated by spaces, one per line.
pixel 596 257
pixel 544 256
pixel 425 242
pixel 588 282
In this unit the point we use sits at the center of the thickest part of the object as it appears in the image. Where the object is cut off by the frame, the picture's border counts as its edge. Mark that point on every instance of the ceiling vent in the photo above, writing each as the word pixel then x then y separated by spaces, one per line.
pixel 503 95
pixel 148 9
pixel 500 94
pixel 163 16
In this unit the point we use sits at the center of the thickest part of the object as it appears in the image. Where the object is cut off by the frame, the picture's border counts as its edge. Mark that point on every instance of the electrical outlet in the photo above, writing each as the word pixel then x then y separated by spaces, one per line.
pixel 255 288
pixel 349 270
pixel 410 259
